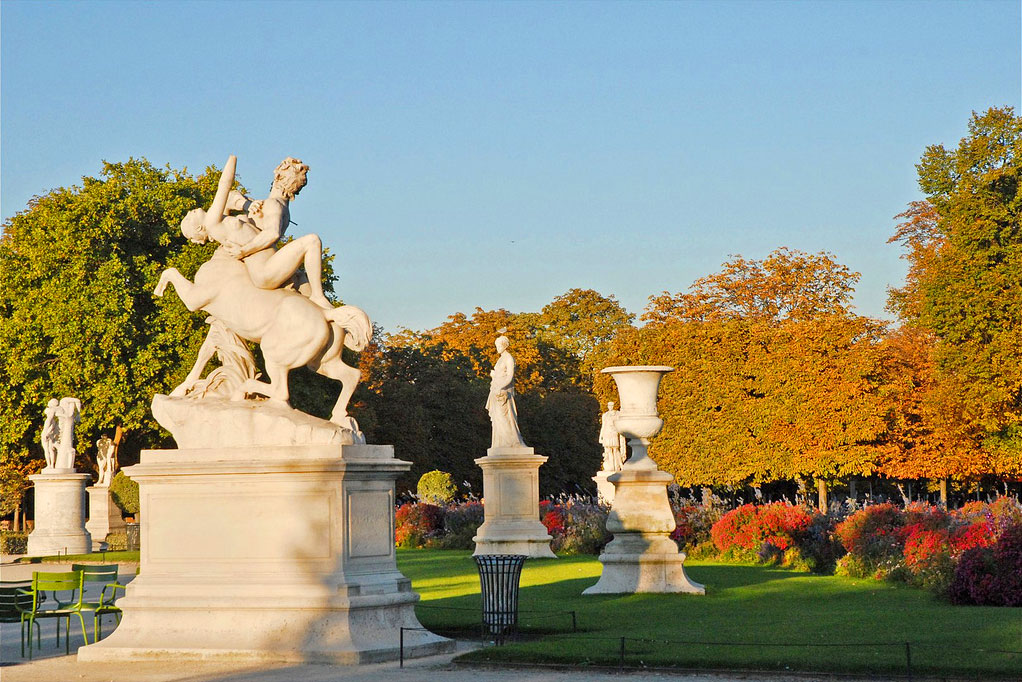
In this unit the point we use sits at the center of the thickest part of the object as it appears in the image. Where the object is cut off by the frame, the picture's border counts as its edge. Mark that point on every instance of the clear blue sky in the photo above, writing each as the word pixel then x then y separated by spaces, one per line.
pixel 497 154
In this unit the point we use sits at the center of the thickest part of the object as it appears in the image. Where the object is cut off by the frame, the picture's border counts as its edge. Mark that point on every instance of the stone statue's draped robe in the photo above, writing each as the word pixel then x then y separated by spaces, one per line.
pixel 501 404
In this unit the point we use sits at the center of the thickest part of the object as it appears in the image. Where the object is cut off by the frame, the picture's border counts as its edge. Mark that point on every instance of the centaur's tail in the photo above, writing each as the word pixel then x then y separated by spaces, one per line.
pixel 356 324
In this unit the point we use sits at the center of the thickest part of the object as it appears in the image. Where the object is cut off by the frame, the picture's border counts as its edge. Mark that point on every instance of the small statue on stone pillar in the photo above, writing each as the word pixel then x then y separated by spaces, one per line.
pixel 614 444
pixel 501 401
pixel 68 416
pixel 58 437
pixel 106 461
pixel 51 433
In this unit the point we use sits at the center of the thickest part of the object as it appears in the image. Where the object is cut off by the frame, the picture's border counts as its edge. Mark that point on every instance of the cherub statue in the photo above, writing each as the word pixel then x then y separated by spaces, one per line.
pixel 501 401
pixel 106 461
pixel 50 437
pixel 68 415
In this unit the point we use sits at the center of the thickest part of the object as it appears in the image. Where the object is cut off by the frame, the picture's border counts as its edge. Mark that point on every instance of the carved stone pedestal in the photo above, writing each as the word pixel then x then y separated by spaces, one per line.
pixel 273 553
pixel 104 516
pixel 511 504
pixel 604 488
pixel 59 514
pixel 642 557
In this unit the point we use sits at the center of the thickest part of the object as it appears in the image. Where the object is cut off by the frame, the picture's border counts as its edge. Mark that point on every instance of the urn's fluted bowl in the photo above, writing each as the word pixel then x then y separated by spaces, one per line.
pixel 637 386
pixel 638 425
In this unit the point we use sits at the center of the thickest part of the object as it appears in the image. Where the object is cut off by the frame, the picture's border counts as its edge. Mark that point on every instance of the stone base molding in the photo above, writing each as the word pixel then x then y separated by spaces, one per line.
pixel 59 515
pixel 642 557
pixel 104 516
pixel 511 504
pixel 282 553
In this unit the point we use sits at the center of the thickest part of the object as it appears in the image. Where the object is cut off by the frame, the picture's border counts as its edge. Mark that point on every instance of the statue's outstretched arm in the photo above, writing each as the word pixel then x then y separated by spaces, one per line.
pixel 216 211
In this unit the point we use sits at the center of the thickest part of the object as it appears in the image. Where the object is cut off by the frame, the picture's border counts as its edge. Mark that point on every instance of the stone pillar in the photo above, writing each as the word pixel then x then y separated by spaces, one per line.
pixel 59 514
pixel 642 557
pixel 281 553
pixel 604 488
pixel 511 504
pixel 104 516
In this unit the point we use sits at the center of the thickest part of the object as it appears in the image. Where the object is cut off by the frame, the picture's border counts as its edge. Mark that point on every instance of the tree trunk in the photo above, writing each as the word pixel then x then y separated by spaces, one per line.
pixel 821 492
pixel 17 518
pixel 851 490
pixel 943 492
pixel 905 498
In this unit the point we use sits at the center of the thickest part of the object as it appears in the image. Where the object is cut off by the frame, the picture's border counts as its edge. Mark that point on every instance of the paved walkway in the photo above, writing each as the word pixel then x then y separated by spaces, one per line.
pixel 51 664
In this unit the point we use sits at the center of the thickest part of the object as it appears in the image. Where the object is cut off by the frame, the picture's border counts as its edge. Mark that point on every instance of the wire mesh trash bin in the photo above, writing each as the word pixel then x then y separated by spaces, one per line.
pixel 499 575
pixel 132 531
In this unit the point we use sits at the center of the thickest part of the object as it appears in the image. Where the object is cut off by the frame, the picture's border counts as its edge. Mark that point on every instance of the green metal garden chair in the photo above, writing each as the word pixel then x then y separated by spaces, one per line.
pixel 59 585
pixel 12 601
pixel 107 576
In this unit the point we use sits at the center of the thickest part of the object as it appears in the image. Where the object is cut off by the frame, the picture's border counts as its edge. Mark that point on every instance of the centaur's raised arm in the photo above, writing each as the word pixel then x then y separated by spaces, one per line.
pixel 215 214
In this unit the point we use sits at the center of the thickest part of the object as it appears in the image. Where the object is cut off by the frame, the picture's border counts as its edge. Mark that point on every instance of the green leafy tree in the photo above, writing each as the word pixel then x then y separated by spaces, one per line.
pixel 77 314
pixel 965 285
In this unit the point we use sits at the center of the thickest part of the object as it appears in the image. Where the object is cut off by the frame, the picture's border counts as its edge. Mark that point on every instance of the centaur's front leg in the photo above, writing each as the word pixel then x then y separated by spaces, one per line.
pixel 192 295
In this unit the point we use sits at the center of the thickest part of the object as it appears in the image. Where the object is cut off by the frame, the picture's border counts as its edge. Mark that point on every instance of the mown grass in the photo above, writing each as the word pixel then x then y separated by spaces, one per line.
pixel 752 617
pixel 123 557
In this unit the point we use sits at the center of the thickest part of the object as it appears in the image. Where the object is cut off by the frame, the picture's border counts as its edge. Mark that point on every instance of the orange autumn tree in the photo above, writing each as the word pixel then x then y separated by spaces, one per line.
pixel 775 376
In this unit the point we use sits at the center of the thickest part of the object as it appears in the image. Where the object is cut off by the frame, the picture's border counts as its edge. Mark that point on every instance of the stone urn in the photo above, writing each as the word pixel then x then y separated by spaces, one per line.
pixel 642 557
pixel 638 419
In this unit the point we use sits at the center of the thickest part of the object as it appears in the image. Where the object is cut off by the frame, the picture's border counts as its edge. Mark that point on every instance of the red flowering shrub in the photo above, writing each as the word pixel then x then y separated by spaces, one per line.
pixel 552 517
pixel 991 576
pixel 924 547
pixel 978 534
pixel 872 533
pixel 416 522
pixel 749 527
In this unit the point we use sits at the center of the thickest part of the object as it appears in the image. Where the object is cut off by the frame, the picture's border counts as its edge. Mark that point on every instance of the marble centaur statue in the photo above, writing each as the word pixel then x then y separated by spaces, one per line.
pixel 249 287
pixel 614 444
pixel 106 461
pixel 58 437
pixel 501 401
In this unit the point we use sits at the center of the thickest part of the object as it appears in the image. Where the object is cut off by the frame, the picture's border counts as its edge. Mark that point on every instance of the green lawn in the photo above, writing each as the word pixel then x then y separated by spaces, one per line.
pixel 92 558
pixel 747 620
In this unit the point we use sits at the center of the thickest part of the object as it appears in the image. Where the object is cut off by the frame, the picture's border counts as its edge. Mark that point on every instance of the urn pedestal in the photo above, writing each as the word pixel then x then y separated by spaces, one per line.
pixel 604 488
pixel 104 516
pixel 282 553
pixel 642 557
pixel 59 514
pixel 511 504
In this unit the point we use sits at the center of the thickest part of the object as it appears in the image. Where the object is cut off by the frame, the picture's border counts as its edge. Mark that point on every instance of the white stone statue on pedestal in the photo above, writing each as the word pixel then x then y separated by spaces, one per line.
pixel 511 522
pixel 106 461
pixel 59 491
pixel 501 401
pixel 614 444
pixel 299 562
pixel 50 437
pixel 58 437
pixel 615 451
pixel 250 289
